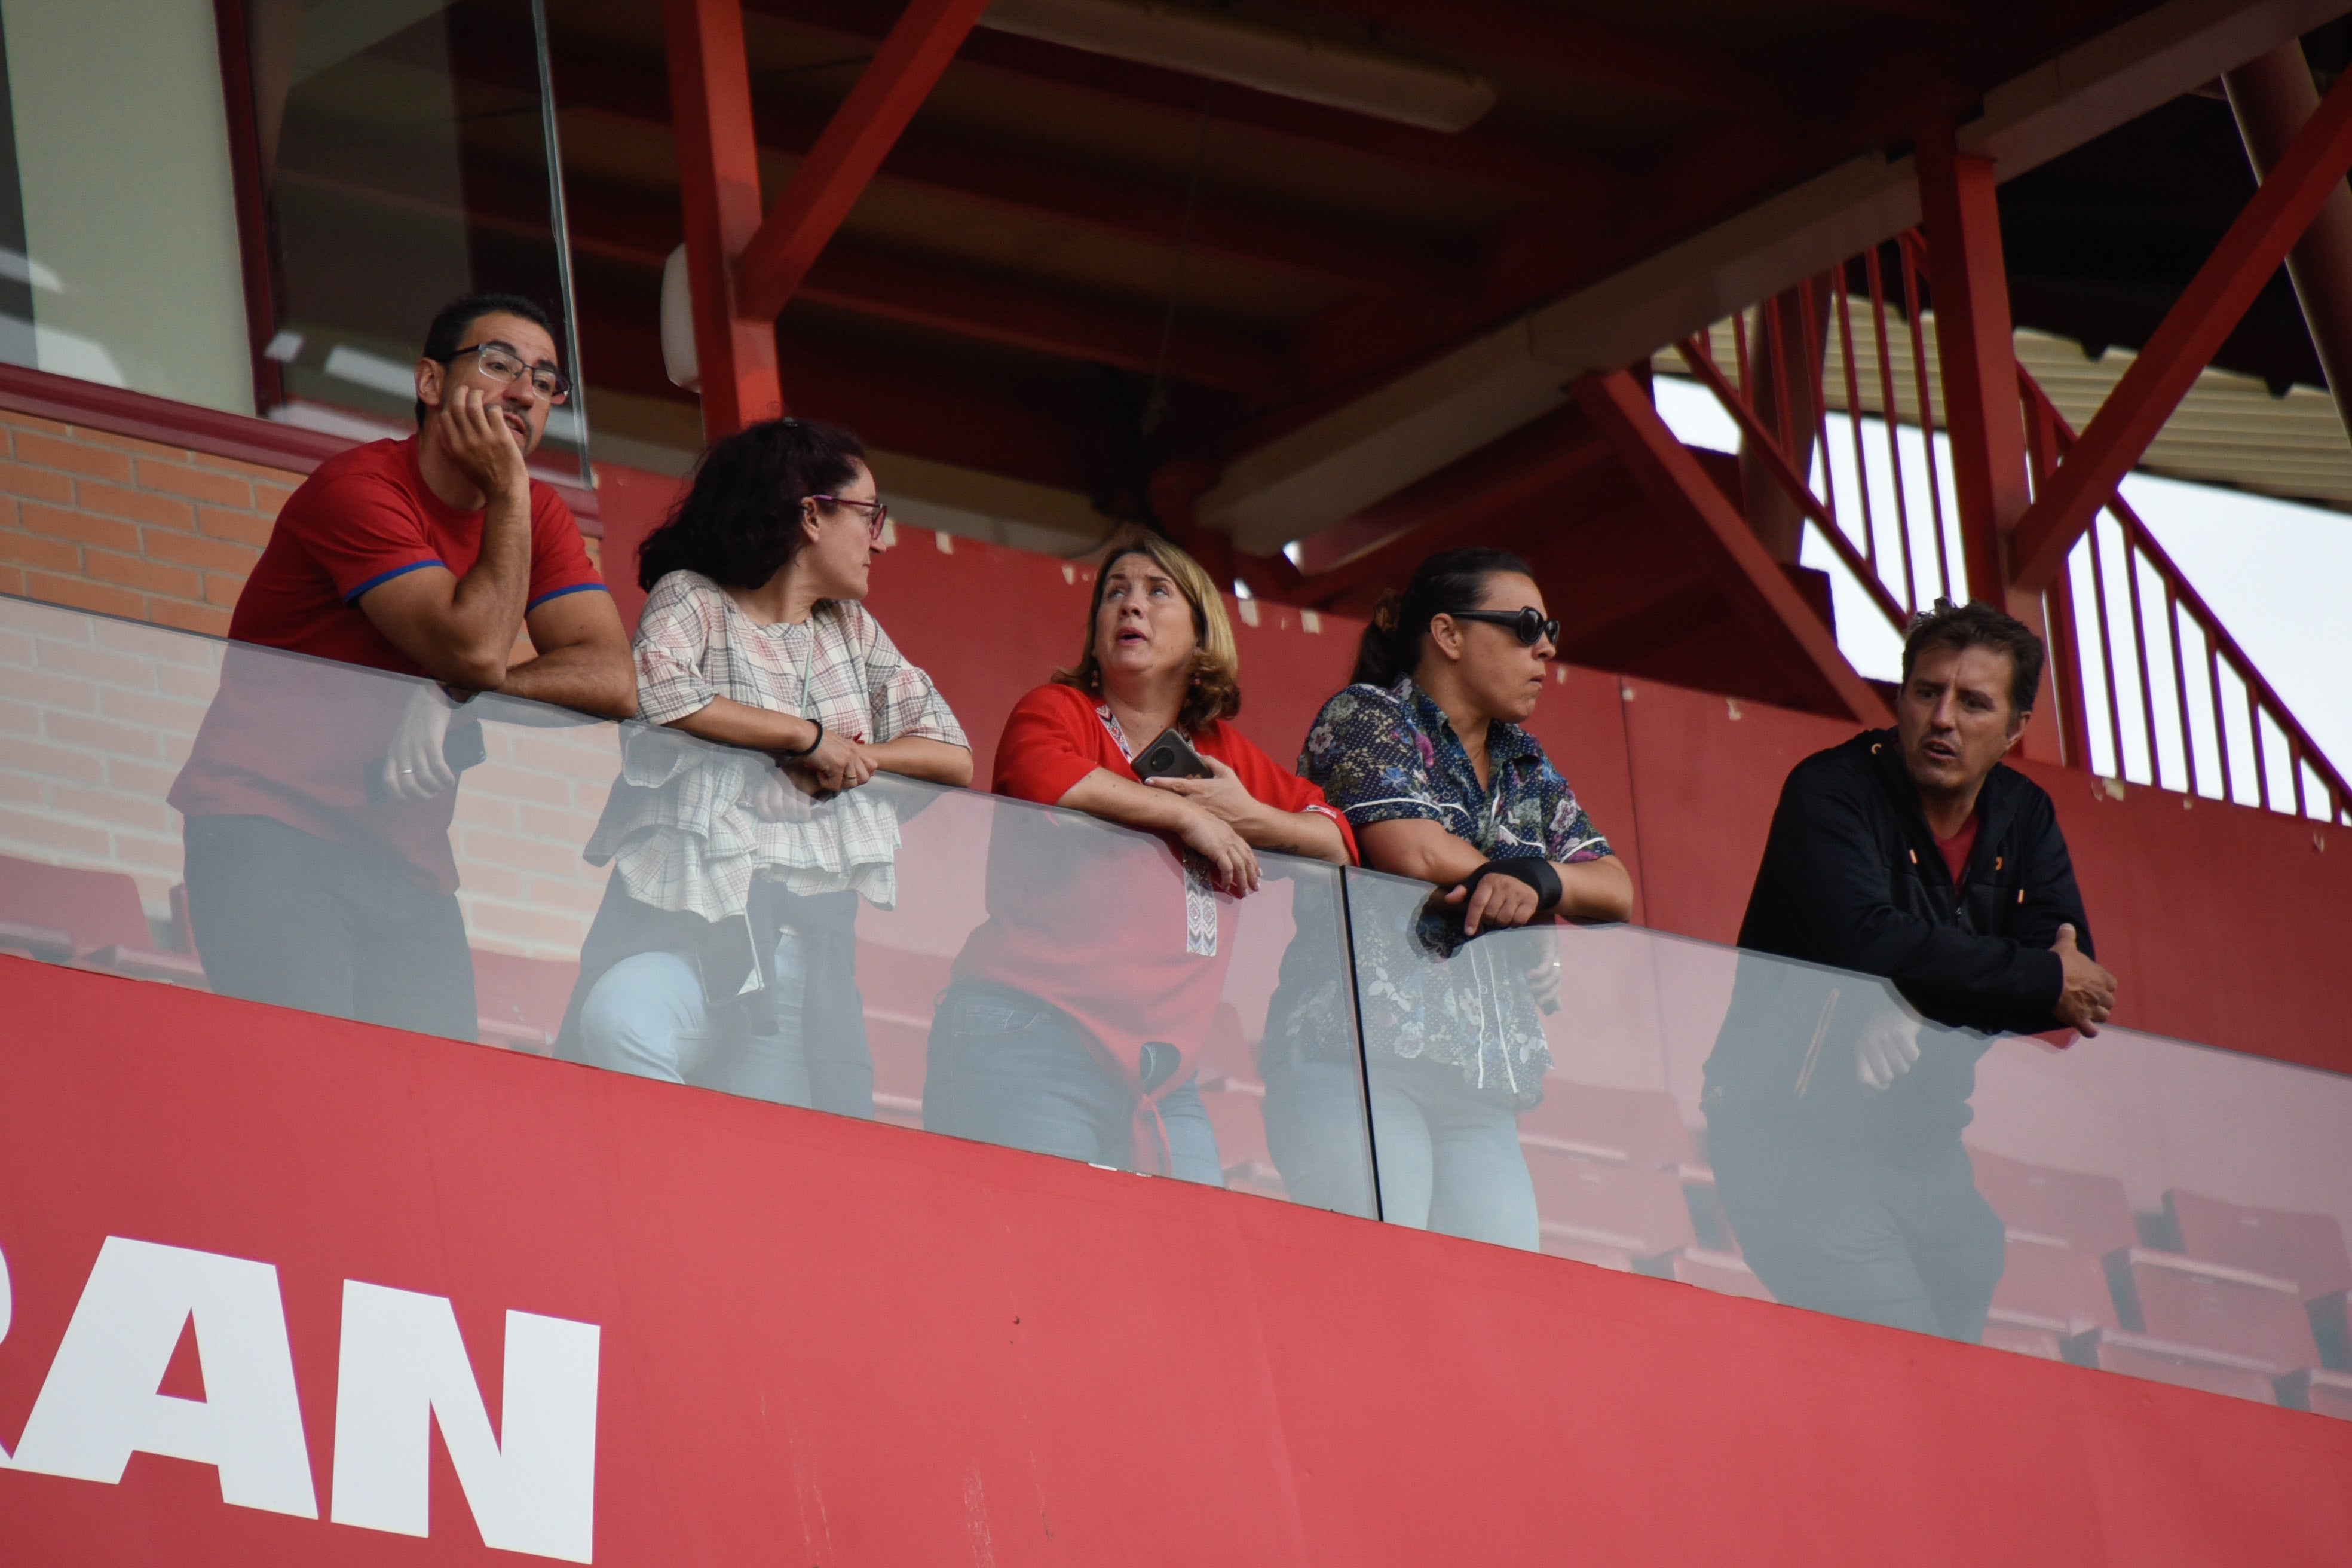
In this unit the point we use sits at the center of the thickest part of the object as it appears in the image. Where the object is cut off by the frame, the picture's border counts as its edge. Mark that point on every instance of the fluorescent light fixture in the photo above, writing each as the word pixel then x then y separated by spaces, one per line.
pixel 1280 60
pixel 372 371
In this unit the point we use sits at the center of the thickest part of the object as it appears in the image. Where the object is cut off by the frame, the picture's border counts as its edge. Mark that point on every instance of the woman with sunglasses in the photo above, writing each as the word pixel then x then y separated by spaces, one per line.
pixel 723 953
pixel 1425 753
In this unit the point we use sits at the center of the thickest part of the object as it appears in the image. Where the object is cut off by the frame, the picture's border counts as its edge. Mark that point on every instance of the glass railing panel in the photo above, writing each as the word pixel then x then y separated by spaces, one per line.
pixel 953 961
pixel 176 808
pixel 1047 981
pixel 1798 1134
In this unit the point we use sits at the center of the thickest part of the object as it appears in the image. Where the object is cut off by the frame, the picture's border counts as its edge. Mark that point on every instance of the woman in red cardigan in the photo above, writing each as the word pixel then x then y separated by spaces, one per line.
pixel 1077 1011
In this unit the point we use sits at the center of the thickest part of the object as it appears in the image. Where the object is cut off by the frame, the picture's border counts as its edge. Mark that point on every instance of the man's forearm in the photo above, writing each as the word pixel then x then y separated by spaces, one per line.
pixel 486 606
pixel 588 679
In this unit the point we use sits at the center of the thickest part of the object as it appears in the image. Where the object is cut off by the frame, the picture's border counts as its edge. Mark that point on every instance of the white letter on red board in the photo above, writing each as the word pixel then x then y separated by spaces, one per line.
pixel 404 1366
pixel 100 1406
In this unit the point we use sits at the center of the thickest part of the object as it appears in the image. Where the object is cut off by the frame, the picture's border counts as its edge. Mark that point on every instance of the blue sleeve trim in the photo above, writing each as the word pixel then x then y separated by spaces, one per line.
pixel 558 593
pixel 382 577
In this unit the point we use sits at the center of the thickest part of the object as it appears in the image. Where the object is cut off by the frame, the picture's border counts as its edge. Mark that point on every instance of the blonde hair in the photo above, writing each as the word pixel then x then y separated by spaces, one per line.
pixel 1216 690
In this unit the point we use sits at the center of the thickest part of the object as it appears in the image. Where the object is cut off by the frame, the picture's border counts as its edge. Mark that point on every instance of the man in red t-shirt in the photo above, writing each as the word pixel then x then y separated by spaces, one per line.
pixel 318 795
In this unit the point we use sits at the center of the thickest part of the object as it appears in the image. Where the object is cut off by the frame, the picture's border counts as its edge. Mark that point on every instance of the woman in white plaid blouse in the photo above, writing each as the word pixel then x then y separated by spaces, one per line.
pixel 723 953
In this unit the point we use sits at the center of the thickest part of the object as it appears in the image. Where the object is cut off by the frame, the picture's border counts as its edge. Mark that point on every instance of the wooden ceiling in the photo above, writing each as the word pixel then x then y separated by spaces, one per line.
pixel 1059 234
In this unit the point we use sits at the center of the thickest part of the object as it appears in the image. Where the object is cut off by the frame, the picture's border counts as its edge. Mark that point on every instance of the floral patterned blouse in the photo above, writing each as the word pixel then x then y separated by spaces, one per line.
pixel 1390 754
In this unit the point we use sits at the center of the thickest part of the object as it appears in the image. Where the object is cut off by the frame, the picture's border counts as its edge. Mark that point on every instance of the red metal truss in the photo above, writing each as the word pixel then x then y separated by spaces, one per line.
pixel 719 196
pixel 839 168
pixel 1975 352
pixel 1748 577
pixel 2312 169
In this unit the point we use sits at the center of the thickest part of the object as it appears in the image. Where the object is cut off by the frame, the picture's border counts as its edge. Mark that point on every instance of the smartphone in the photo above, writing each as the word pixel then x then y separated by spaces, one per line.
pixel 1171 757
pixel 728 962
pixel 462 747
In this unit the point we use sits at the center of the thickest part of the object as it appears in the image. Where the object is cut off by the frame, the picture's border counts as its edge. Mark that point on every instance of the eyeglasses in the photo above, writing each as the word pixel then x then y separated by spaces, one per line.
pixel 877 514
pixel 1528 625
pixel 504 363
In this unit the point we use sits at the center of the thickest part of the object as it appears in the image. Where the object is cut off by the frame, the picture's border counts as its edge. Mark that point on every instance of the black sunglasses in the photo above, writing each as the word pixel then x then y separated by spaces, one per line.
pixel 1528 625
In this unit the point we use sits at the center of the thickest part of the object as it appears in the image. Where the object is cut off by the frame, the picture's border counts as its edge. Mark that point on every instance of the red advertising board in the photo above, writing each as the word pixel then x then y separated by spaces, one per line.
pixel 282 1290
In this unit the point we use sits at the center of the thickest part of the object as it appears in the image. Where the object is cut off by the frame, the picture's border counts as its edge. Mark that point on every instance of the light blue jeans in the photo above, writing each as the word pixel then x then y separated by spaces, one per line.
pixel 1449 1156
pixel 647 1015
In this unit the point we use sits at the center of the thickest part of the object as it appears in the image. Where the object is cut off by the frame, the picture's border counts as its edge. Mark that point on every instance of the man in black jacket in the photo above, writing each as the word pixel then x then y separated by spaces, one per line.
pixel 1834 1104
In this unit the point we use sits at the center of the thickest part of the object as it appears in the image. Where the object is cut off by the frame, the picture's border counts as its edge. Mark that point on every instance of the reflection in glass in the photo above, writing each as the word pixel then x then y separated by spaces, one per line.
pixel 405 159
pixel 1454 1051
pixel 319 874
pixel 724 952
pixel 1833 1116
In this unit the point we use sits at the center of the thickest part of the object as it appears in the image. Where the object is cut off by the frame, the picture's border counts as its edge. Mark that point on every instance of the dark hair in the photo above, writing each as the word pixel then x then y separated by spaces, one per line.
pixel 1215 691
pixel 446 335
pixel 739 521
pixel 1977 625
pixel 1447 582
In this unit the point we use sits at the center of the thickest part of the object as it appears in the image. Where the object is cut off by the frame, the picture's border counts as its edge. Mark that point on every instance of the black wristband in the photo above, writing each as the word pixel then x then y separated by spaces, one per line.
pixel 813 745
pixel 1534 871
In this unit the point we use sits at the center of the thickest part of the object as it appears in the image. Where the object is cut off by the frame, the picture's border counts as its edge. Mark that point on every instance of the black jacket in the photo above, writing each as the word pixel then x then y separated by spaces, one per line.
pixel 1851 880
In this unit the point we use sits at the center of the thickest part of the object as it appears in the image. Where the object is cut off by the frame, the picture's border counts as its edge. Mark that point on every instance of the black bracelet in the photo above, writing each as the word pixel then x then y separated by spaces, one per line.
pixel 813 745
pixel 1535 872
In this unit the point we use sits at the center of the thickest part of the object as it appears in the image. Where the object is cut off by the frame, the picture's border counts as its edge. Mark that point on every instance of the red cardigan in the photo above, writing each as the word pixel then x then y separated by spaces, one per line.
pixel 1091 917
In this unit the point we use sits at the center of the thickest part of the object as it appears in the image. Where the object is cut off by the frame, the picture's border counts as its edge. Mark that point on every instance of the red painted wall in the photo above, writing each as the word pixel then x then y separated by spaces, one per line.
pixel 833 1343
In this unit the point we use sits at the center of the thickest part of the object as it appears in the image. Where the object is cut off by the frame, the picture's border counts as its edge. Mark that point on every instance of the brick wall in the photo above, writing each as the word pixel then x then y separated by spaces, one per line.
pixel 131 528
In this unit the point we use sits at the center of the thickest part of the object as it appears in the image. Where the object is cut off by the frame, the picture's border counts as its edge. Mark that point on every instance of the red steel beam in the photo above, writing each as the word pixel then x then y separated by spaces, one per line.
pixel 1975 352
pixel 921 292
pixel 718 196
pixel 1747 576
pixel 837 169
pixel 2302 181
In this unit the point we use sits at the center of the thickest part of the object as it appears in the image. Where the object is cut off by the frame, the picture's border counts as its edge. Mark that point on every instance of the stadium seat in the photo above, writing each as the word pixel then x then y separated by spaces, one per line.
pixel 2321 1393
pixel 902 990
pixel 1225 1054
pixel 2054 1288
pixel 1707 1216
pixel 2307 1248
pixel 1563 1243
pixel 519 1003
pixel 2191 1366
pixel 65 913
pixel 2213 1307
pixel 1724 1272
pixel 1635 1126
pixel 2331 1326
pixel 1237 1113
pixel 2004 1334
pixel 1625 1207
pixel 2087 1213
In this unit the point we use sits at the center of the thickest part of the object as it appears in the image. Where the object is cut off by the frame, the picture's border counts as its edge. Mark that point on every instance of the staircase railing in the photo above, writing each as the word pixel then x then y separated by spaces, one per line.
pixel 1833 388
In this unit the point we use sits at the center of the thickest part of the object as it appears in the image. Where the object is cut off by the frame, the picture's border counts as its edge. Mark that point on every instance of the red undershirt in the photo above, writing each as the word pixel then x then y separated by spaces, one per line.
pixel 1956 849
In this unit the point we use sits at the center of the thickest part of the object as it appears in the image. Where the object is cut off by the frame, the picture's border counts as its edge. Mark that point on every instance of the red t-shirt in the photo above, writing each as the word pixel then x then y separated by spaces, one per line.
pixel 1957 847
pixel 1093 919
pixel 288 737
pixel 363 517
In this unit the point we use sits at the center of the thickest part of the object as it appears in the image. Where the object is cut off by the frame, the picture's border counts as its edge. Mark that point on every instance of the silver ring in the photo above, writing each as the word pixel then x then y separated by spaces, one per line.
pixel 408 769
